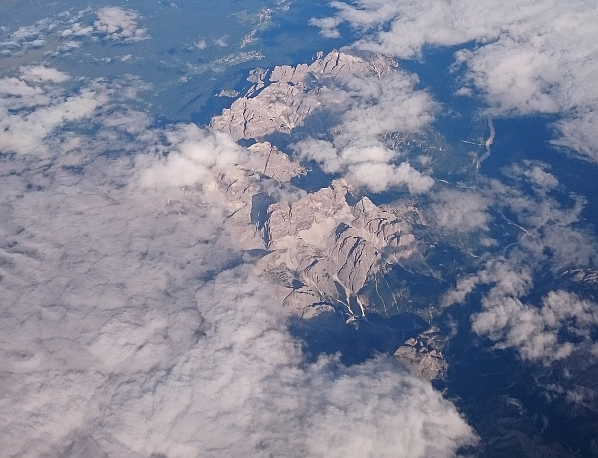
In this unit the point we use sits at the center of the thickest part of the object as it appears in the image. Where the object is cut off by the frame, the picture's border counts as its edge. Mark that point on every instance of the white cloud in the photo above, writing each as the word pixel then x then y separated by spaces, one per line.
pixel 531 56
pixel 379 177
pixel 540 177
pixel 364 166
pixel 25 133
pixel 34 105
pixel 222 42
pixel 461 211
pixel 119 24
pixel 372 106
pixel 386 103
pixel 327 26
pixel 40 73
pixel 534 331
pixel 27 37
pixel 195 156
pixel 506 280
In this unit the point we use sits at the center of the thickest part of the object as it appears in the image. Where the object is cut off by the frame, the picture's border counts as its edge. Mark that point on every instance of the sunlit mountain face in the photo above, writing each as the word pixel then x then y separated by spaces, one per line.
pixel 298 229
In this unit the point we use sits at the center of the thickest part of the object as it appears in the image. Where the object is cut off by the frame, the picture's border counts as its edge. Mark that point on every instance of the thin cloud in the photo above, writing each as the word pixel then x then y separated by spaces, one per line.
pixel 534 330
pixel 461 211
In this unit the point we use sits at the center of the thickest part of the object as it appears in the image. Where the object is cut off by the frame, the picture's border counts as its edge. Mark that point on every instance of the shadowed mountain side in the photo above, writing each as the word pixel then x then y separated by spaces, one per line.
pixel 357 341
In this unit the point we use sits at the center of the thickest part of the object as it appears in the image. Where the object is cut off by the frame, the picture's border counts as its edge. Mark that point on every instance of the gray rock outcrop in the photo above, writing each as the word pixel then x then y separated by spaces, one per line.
pixel 323 250
pixel 281 100
pixel 423 356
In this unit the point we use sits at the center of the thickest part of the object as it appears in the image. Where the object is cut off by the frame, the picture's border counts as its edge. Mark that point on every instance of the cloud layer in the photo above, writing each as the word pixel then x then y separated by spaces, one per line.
pixel 132 327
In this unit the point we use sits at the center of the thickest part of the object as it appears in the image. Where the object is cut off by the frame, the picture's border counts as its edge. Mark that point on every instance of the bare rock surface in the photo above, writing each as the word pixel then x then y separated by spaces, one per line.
pixel 282 100
pixel 273 163
pixel 323 250
pixel 423 356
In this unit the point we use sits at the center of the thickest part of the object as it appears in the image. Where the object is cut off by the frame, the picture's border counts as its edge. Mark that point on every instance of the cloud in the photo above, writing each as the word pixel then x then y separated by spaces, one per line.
pixel 194 156
pixel 543 220
pixel 531 57
pixel 548 240
pixel 538 175
pixel 34 105
pixel 379 177
pixel 553 330
pixel 222 42
pixel 119 24
pixel 40 73
pixel 371 106
pixel 64 31
pixel 24 132
pixel 327 26
pixel 26 37
pixel 133 328
pixel 385 103
pixel 365 167
pixel 461 211
pixel 534 331
pixel 507 280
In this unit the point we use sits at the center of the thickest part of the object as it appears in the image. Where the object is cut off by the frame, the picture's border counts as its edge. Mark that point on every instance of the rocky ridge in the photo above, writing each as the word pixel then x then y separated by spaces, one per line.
pixel 281 100
pixel 322 251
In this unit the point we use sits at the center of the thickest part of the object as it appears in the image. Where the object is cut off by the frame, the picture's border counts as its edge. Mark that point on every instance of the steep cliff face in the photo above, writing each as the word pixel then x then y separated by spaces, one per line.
pixel 320 249
pixel 329 249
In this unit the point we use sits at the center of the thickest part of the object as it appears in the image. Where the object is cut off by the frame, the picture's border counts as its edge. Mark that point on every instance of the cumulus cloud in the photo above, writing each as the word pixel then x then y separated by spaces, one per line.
pixel 328 26
pixel 548 237
pixel 373 106
pixel 543 220
pixel 506 279
pixel 539 176
pixel 34 105
pixel 26 37
pixel 548 226
pixel 379 177
pixel 40 73
pixel 534 331
pixel 531 56
pixel 385 103
pixel 119 24
pixel 63 32
pixel 461 211
pixel 132 327
pixel 366 167
pixel 30 113
pixel 552 330
pixel 194 156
